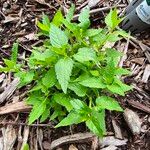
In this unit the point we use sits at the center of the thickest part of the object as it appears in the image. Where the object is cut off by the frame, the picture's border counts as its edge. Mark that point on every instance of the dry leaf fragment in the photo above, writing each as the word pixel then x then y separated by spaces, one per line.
pixel 72 147
pixel 133 121
pixel 93 3
pixel 46 145
pixel 111 140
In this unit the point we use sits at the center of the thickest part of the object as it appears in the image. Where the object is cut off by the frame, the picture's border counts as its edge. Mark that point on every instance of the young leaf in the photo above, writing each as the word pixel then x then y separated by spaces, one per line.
pixel 63 69
pixel 112 20
pixel 58 18
pixel 93 82
pixel 49 79
pixel 78 89
pixel 14 52
pixel 72 118
pixel 57 37
pixel 92 32
pixel 63 100
pixel 36 112
pixel 45 115
pixel 84 18
pixel 105 102
pixel 85 54
pixel 70 13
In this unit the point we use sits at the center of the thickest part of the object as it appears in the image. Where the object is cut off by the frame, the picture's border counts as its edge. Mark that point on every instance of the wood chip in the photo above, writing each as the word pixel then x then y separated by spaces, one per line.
pixel 15 107
pixel 72 147
pixel 111 147
pixel 10 19
pixel 46 145
pixel 2 77
pixel 117 130
pixel 93 3
pixel 9 135
pixel 9 90
pixel 139 106
pixel 133 121
pixel 111 140
pixel 146 73
pixel 139 61
pixel 80 137
pixel 1 143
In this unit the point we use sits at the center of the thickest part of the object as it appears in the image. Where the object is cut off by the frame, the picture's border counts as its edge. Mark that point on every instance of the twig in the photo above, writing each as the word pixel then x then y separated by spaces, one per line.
pixel 99 10
pixel 25 124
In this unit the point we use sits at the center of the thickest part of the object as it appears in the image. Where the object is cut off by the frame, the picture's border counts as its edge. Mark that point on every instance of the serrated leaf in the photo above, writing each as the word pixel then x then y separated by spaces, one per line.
pixel 72 118
pixel 45 115
pixel 96 123
pixel 63 100
pixel 105 102
pixel 116 89
pixel 57 37
pixel 84 18
pixel 121 71
pixel 49 79
pixel 63 69
pixel 85 54
pixel 93 82
pixel 58 18
pixel 92 32
pixel 112 20
pixel 14 52
pixel 78 89
pixel 70 13
pixel 36 112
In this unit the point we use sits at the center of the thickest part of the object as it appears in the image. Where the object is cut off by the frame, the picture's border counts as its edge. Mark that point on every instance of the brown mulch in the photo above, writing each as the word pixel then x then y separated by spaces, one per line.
pixel 18 22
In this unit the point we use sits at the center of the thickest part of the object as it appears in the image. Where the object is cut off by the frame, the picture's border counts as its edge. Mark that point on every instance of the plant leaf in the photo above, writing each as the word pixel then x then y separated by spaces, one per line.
pixel 57 37
pixel 36 112
pixel 85 54
pixel 105 102
pixel 14 52
pixel 63 100
pixel 78 89
pixel 72 118
pixel 93 82
pixel 49 79
pixel 63 69
pixel 70 13
pixel 58 18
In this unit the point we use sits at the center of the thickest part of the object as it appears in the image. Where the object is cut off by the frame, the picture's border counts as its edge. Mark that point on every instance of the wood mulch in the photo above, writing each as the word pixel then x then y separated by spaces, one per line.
pixel 127 131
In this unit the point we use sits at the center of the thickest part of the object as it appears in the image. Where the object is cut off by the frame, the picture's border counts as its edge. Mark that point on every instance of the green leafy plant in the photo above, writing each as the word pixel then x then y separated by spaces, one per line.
pixel 74 76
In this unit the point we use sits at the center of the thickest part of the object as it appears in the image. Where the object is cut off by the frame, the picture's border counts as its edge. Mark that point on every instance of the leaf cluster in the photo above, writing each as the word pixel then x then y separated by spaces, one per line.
pixel 74 77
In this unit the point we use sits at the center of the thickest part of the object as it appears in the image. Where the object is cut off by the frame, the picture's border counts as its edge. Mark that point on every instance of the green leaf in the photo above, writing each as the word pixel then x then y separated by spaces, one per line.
pixel 84 18
pixel 96 123
pixel 49 79
pixel 93 82
pixel 92 32
pixel 63 69
pixel 121 71
pixel 115 89
pixel 70 13
pixel 72 118
pixel 58 18
pixel 78 89
pixel 105 102
pixel 63 100
pixel 57 37
pixel 112 20
pixel 85 54
pixel 36 112
pixel 14 52
pixel 45 115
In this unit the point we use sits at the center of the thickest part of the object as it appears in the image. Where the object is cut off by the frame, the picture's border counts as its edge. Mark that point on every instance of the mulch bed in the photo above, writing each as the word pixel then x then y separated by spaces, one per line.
pixel 18 22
